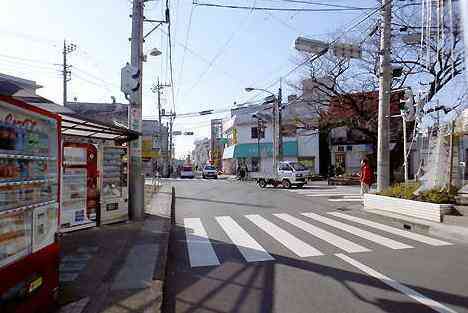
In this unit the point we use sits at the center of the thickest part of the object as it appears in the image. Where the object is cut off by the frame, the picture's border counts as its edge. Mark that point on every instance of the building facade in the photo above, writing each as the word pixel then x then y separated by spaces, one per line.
pixel 248 145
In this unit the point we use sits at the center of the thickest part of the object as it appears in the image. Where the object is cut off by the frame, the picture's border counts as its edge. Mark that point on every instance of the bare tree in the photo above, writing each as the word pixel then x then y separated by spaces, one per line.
pixel 430 67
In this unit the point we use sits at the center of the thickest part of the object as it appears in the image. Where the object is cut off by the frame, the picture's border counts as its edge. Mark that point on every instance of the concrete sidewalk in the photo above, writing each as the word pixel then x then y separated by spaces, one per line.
pixel 120 267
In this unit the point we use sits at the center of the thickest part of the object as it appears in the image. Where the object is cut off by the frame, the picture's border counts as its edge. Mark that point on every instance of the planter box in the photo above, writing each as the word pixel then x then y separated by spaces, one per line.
pixel 424 210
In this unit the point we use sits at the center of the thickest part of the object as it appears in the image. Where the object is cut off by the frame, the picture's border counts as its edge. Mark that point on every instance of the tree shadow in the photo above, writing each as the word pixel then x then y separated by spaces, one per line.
pixel 240 280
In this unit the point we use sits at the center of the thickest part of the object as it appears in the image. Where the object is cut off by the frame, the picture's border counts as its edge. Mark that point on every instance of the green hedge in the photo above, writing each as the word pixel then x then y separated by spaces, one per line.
pixel 407 191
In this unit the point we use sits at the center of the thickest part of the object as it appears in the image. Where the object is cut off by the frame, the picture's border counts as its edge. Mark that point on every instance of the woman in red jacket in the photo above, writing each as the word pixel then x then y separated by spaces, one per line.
pixel 366 175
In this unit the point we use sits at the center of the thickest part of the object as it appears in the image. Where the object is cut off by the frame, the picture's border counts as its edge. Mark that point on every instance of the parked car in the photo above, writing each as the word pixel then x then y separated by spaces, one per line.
pixel 209 171
pixel 187 172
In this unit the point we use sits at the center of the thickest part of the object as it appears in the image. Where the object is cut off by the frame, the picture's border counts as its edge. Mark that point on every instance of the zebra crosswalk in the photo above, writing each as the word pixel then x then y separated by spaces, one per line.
pixel 333 193
pixel 202 252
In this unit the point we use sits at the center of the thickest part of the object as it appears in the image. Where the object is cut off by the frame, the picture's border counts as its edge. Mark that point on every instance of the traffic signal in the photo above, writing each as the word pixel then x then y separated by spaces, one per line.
pixel 407 105
pixel 130 79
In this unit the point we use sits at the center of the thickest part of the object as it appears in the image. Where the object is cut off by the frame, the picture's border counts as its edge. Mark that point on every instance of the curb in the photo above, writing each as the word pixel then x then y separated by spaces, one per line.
pixel 161 277
pixel 450 232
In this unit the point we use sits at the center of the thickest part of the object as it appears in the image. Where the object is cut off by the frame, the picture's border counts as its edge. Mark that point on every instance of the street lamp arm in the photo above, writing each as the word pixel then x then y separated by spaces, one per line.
pixel 248 89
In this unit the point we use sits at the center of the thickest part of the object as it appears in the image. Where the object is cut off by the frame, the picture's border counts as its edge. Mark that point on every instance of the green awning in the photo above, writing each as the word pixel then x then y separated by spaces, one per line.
pixel 250 150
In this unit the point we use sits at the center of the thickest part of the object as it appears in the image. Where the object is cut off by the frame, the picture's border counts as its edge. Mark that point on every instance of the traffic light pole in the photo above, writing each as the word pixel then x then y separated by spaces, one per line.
pixel 405 147
pixel 136 179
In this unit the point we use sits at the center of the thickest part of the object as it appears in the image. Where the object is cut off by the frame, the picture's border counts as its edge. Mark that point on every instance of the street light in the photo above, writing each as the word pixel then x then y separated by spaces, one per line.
pixel 155 52
pixel 250 89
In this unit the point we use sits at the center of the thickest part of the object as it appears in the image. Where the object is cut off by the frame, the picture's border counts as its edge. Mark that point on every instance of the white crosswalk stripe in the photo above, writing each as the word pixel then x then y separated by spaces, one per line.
pixel 250 249
pixel 333 239
pixel 334 194
pixel 387 242
pixel 291 242
pixel 200 250
pixel 393 230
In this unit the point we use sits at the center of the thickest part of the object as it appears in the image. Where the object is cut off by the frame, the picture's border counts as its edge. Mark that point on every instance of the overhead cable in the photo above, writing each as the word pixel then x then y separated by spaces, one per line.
pixel 226 6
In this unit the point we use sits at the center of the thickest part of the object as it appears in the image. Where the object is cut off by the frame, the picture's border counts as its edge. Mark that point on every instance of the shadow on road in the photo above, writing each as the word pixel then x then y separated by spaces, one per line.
pixel 236 286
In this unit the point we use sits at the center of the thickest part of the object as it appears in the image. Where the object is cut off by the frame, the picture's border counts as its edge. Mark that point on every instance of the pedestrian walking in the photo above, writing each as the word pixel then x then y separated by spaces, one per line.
pixel 366 175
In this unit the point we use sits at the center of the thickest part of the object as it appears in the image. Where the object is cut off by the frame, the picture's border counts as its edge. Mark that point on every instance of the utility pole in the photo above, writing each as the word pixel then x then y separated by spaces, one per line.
pixel 171 116
pixel 280 124
pixel 275 137
pixel 67 48
pixel 136 181
pixel 385 72
pixel 158 89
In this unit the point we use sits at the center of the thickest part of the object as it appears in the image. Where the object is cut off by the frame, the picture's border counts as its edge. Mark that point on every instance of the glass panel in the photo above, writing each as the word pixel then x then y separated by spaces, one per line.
pixel 115 171
pixel 15 236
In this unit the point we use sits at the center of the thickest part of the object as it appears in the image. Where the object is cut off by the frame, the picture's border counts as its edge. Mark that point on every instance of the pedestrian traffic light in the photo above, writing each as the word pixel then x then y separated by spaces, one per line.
pixel 407 105
pixel 130 79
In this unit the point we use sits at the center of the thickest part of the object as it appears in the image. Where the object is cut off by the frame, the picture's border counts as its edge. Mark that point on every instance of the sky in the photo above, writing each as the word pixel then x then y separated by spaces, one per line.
pixel 216 53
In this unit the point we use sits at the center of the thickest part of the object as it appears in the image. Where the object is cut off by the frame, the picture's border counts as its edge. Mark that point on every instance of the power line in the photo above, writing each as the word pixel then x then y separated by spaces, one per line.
pixel 221 50
pixel 187 36
pixel 321 4
pixel 311 59
pixel 225 6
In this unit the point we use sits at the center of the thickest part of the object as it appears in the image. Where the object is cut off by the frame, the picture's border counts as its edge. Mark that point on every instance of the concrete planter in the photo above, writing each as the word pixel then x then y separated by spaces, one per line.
pixel 424 210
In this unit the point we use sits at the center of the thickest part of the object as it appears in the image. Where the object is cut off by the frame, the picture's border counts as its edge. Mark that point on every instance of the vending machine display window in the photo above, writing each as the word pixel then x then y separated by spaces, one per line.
pixel 79 186
pixel 114 191
pixel 28 178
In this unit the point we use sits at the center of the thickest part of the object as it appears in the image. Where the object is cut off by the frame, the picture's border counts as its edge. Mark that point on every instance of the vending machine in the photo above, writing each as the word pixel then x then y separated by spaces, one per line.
pixel 29 207
pixel 79 196
pixel 114 190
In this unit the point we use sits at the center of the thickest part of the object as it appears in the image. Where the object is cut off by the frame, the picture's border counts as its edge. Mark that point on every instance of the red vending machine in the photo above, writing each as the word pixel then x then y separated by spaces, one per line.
pixel 29 206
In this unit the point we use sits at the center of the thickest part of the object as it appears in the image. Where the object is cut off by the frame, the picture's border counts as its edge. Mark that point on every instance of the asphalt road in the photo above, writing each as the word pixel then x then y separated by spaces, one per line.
pixel 238 248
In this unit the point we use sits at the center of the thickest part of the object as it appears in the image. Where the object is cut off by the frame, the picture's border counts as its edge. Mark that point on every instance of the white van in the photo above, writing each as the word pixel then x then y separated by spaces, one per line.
pixel 187 172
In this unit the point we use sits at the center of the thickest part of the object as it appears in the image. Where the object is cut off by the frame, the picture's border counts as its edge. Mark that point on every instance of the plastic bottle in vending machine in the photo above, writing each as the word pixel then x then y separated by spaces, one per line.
pixel 20 138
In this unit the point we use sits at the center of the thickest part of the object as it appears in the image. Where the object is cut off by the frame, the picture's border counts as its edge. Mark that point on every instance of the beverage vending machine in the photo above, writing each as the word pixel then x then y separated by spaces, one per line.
pixel 29 206
pixel 79 196
pixel 114 190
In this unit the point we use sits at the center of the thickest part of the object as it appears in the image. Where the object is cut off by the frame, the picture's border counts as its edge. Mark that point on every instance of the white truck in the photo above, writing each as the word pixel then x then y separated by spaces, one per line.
pixel 290 173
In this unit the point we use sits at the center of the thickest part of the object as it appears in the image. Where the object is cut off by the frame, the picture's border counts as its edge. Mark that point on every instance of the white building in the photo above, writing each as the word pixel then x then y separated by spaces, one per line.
pixel 245 147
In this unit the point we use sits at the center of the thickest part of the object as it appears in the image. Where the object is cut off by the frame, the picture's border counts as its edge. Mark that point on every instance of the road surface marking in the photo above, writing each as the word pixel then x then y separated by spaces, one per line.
pixel 200 250
pixel 384 241
pixel 331 238
pixel 345 200
pixel 291 242
pixel 250 249
pixel 393 230
pixel 436 306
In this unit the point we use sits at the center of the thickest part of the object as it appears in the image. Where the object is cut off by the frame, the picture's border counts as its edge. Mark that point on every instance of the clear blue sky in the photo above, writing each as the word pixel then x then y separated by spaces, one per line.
pixel 228 49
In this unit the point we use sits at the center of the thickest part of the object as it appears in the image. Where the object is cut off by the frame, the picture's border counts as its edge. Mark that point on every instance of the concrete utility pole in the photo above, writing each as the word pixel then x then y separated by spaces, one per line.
pixel 275 137
pixel 280 124
pixel 385 71
pixel 136 181
pixel 66 68
pixel 158 89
